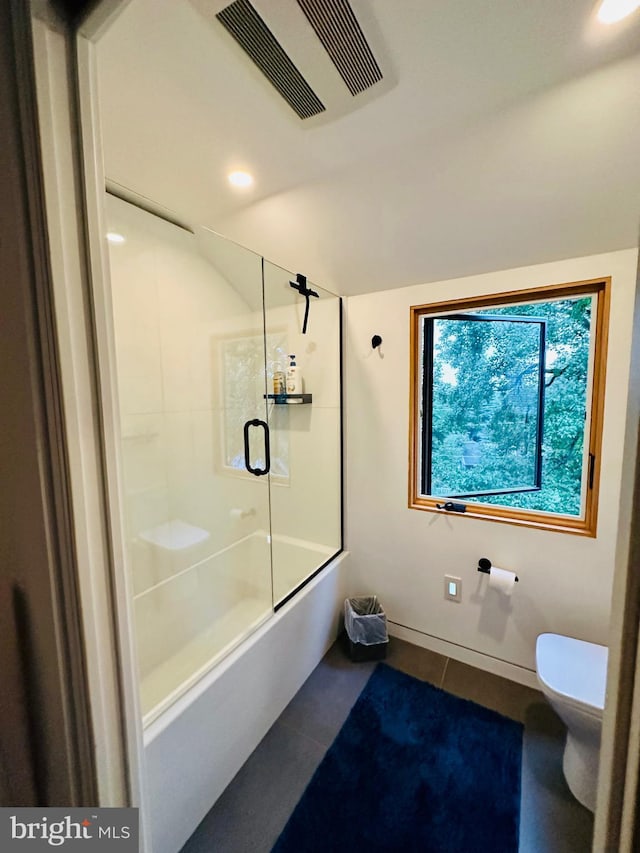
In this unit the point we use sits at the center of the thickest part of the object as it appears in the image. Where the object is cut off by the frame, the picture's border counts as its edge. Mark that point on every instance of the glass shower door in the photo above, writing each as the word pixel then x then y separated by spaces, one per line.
pixel 231 485
pixel 189 343
pixel 302 322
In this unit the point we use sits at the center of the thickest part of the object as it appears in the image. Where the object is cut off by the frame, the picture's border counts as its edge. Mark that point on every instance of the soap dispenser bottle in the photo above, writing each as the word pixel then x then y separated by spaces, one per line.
pixel 294 379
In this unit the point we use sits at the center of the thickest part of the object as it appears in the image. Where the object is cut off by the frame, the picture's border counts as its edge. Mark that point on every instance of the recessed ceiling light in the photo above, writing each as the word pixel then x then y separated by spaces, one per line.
pixel 114 237
pixel 611 11
pixel 240 179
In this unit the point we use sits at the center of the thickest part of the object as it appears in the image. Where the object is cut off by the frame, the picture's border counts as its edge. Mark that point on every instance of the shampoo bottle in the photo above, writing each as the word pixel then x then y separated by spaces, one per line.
pixel 294 379
pixel 279 380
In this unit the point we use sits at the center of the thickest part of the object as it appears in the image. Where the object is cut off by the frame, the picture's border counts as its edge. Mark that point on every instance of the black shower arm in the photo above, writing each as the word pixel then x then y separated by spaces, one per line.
pixel 300 284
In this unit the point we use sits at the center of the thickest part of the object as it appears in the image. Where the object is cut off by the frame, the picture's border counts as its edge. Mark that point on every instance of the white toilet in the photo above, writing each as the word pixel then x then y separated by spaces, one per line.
pixel 572 675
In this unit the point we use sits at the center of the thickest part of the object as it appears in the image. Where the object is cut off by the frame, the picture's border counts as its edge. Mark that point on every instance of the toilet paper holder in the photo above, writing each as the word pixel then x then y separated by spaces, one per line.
pixel 484 565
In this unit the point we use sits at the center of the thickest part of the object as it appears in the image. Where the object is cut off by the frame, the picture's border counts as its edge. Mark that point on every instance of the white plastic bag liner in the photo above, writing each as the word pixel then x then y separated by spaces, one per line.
pixel 365 621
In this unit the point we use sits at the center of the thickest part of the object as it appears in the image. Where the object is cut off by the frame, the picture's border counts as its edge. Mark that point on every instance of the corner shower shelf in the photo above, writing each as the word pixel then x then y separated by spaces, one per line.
pixel 283 399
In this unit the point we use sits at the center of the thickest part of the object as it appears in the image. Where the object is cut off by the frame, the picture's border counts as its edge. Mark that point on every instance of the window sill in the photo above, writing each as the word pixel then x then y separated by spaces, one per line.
pixel 507 515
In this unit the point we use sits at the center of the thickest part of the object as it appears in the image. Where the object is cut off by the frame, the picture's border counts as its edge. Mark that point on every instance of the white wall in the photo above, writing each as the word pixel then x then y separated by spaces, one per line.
pixel 402 554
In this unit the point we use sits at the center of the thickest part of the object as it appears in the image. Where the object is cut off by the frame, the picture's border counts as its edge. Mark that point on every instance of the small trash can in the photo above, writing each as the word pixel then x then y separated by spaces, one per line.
pixel 365 625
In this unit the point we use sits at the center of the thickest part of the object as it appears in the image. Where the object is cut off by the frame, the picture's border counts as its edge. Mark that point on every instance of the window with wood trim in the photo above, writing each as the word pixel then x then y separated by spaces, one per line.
pixel 507 396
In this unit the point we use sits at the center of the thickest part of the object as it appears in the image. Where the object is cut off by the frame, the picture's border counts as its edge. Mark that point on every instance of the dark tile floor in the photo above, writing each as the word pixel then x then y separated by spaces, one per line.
pixel 253 810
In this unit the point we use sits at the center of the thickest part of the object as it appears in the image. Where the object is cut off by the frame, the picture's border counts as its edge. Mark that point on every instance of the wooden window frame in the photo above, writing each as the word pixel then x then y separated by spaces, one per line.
pixel 584 526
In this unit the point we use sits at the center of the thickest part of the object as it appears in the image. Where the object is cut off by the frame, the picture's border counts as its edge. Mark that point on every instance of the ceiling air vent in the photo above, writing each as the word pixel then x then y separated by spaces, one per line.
pixel 246 26
pixel 339 31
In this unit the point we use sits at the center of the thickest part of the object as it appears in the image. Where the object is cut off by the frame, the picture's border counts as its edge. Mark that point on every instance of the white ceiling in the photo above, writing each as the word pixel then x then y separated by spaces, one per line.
pixel 505 133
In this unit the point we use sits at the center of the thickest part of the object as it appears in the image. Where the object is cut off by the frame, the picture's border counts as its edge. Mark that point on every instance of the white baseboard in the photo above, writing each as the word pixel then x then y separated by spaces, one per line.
pixel 513 672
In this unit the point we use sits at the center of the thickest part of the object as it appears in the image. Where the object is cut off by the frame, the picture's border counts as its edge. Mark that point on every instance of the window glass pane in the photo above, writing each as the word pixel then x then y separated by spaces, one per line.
pixel 483 414
pixel 485 402
pixel 565 439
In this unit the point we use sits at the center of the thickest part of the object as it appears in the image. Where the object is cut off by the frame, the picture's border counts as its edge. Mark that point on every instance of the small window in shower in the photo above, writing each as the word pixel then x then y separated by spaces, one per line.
pixel 242 381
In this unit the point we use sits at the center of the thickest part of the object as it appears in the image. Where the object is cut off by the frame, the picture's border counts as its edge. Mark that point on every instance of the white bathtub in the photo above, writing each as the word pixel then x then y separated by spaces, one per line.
pixel 190 620
pixel 195 746
pixel 293 561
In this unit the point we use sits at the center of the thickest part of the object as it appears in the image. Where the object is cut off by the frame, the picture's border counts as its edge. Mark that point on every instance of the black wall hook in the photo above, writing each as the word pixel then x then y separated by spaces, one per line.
pixel 300 284
pixel 376 340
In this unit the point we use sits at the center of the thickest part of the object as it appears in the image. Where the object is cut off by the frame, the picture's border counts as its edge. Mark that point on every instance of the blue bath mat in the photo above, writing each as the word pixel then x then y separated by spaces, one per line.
pixel 414 770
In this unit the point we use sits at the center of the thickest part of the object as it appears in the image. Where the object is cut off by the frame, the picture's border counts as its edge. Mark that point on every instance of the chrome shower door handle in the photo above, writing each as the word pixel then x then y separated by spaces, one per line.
pixel 259 472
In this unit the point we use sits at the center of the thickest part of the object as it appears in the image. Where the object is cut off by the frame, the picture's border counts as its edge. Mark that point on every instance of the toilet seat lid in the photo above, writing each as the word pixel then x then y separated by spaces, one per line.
pixel 573 668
